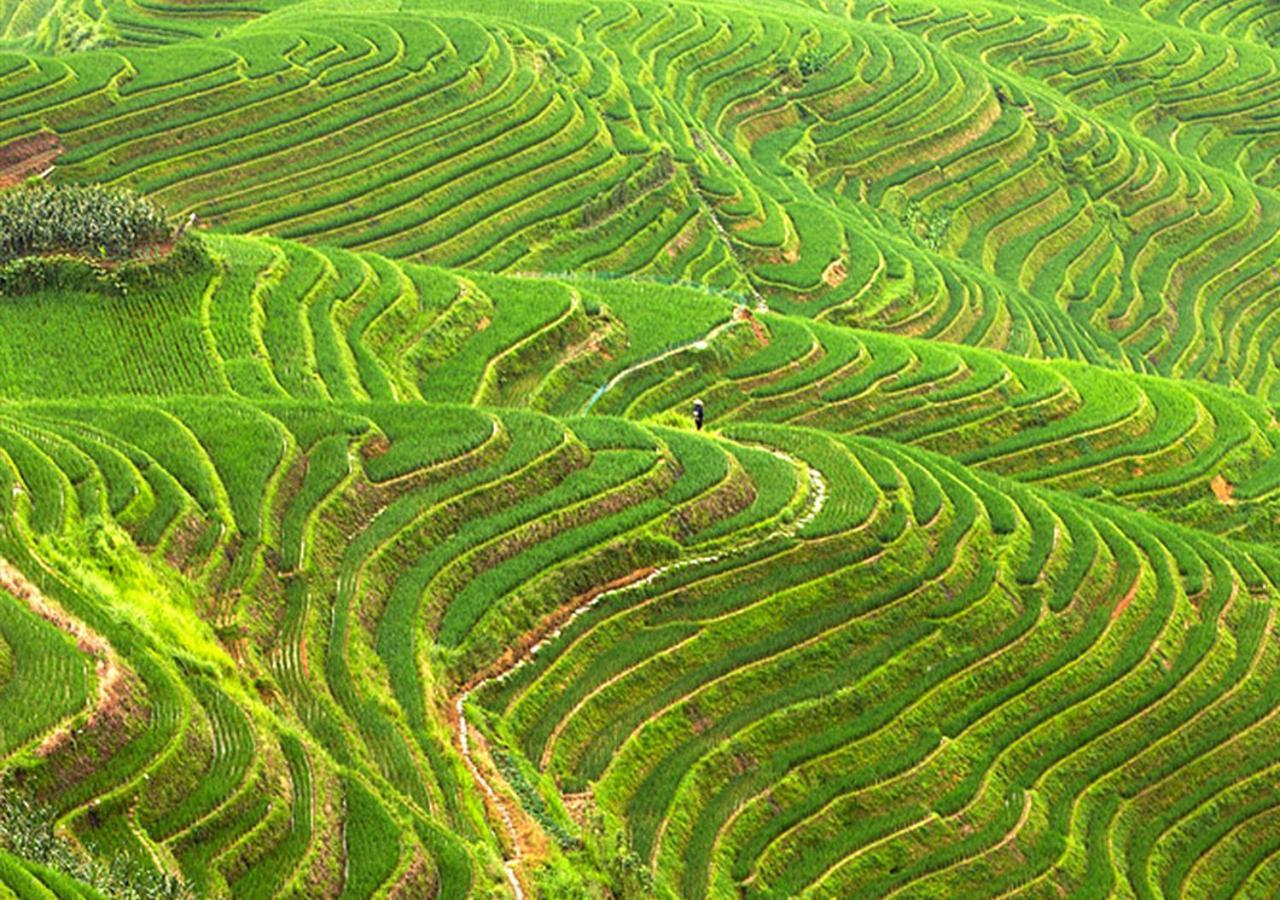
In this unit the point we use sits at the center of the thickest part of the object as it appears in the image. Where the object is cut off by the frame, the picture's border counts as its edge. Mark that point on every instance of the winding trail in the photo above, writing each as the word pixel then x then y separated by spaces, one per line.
pixel 511 863
pixel 700 344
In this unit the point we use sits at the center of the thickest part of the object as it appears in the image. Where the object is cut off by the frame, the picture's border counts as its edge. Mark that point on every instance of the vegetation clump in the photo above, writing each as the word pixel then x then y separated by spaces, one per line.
pixel 91 220
pixel 532 801
pixel 156 275
pixel 27 832
pixel 812 62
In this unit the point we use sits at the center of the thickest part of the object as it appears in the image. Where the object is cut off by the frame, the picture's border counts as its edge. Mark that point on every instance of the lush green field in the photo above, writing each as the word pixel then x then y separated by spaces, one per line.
pixel 358 542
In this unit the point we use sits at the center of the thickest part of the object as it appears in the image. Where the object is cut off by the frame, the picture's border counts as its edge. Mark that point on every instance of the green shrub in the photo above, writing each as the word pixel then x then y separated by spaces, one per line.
pixel 89 220
pixel 63 273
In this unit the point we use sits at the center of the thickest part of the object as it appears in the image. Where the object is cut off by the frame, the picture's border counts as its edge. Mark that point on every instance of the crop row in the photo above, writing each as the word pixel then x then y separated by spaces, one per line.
pixel 826 715
pixel 326 548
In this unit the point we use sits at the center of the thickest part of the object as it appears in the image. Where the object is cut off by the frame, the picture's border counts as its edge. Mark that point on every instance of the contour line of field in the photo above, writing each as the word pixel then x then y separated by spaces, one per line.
pixel 512 863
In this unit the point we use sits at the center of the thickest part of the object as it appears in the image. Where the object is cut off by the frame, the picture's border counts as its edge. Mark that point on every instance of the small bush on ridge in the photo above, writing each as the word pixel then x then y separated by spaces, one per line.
pixel 89 220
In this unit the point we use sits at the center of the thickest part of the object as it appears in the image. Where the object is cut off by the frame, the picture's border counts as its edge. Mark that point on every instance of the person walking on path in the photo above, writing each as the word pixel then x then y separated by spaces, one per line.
pixel 698 414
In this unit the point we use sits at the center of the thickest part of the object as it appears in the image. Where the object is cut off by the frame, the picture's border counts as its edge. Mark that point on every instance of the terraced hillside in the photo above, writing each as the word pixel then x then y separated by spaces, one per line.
pixel 337 582
pixel 1093 185
pixel 359 543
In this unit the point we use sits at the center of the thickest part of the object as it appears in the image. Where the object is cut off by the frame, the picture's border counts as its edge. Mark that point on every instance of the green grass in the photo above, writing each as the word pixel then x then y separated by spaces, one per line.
pixel 965 588
pixel 45 679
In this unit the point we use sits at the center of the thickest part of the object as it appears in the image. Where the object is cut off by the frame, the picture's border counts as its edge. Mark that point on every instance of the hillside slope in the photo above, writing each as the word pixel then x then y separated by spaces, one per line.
pixel 362 545
pixel 307 592
pixel 1096 185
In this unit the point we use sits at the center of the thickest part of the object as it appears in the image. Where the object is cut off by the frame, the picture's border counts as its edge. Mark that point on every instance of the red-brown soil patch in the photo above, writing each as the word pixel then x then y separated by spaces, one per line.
pixel 1223 490
pixel 375 447
pixel 27 156
pixel 579 807
pixel 744 314
pixel 698 721
pixel 1126 600
pixel 835 273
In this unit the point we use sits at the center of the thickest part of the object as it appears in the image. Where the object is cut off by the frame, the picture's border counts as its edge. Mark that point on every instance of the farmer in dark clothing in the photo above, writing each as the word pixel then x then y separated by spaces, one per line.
pixel 698 414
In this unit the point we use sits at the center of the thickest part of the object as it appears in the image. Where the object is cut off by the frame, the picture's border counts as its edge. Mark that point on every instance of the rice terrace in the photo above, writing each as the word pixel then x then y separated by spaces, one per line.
pixel 663 448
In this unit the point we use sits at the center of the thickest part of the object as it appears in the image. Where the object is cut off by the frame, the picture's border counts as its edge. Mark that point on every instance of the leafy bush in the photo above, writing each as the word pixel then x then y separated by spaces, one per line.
pixel 811 62
pixel 60 275
pixel 90 220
